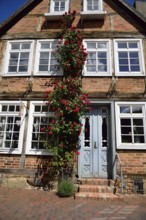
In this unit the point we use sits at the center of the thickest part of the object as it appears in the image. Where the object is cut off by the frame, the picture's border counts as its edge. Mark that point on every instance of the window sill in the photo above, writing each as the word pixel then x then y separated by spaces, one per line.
pixel 129 74
pixel 54 16
pixel 38 152
pixel 132 147
pixel 97 74
pixel 48 74
pixel 16 74
pixel 93 15
pixel 12 151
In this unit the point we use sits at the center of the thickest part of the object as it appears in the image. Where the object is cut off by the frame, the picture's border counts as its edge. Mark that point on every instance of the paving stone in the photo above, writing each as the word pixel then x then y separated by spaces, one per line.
pixel 28 204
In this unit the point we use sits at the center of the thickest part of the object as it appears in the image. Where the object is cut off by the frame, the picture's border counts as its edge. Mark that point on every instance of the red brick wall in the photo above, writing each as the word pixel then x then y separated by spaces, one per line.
pixel 133 162
pixel 10 161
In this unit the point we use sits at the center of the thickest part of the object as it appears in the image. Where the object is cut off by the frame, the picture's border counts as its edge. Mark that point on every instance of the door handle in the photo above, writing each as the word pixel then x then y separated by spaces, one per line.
pixel 95 145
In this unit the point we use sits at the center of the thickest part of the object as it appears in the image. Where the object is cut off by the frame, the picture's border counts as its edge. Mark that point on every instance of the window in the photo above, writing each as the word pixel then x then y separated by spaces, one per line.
pixel 11 127
pixel 128 57
pixel 57 9
pixel 19 57
pixel 59 6
pixel 92 5
pixel 131 125
pixel 98 59
pixel 93 9
pixel 39 118
pixel 46 61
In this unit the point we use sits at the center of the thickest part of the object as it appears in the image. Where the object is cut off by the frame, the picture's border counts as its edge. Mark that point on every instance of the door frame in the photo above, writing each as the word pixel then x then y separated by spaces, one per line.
pixel 112 142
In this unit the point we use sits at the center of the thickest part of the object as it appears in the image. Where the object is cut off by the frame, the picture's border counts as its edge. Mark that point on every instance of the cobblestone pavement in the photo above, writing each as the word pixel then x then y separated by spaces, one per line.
pixel 24 204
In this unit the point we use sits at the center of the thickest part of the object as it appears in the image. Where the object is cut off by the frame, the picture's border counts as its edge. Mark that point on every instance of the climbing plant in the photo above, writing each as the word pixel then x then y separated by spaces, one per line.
pixel 67 99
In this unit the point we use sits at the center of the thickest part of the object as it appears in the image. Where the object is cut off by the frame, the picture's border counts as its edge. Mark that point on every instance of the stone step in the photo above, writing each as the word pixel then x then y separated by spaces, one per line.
pixel 94 182
pixel 99 196
pixel 95 188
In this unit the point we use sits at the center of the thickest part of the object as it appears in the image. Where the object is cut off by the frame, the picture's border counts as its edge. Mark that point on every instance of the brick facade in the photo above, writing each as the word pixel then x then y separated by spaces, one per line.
pixel 117 24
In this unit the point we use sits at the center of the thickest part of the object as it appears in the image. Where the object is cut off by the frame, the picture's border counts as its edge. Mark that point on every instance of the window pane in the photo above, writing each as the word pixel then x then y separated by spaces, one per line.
pixel 14 56
pixel 26 46
pixel 102 45
pixel 37 108
pixel 91 45
pixel 123 55
pixel 43 68
pixel 24 55
pixel 123 61
pixel 45 45
pixel 135 69
pixel 44 108
pixel 101 54
pixel 62 7
pixel 12 69
pixel 15 46
pixel 23 62
pixel 11 108
pixel 23 69
pixel 139 139
pixel 138 130
pixel 125 130
pixel 133 45
pixel 87 132
pixel 122 45
pixel 126 139
pixel 124 109
pixel 4 108
pixel 136 109
pixel 138 121
pixel 124 68
pixel 126 121
pixel 44 55
pixel 134 61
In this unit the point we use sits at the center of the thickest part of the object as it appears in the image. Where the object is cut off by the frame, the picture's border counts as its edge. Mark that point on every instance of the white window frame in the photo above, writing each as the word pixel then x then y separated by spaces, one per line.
pixel 99 10
pixel 52 6
pixel 108 50
pixel 7 57
pixel 141 58
pixel 22 115
pixel 37 60
pixel 32 114
pixel 129 146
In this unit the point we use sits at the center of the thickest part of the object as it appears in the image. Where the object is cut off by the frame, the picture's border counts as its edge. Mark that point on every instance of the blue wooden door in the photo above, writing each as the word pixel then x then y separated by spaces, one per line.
pixel 94 143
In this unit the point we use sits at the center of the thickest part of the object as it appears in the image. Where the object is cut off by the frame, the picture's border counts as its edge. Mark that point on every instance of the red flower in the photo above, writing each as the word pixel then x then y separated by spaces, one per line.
pixel 77 152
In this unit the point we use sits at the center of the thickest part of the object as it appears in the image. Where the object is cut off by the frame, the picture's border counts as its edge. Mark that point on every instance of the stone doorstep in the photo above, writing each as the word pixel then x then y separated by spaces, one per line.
pixel 95 188
pixel 99 196
pixel 94 182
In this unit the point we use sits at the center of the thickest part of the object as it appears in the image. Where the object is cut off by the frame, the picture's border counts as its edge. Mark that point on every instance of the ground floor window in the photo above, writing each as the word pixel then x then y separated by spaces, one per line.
pixel 131 125
pixel 39 119
pixel 11 126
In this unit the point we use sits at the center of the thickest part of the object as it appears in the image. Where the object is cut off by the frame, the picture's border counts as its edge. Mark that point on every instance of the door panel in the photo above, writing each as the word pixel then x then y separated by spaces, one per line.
pixel 94 143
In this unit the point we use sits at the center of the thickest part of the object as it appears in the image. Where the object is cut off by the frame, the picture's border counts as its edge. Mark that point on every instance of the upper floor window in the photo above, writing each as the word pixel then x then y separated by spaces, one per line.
pixel 11 127
pixel 128 57
pixel 131 125
pixel 39 119
pixel 59 6
pixel 92 5
pixel 46 61
pixel 98 59
pixel 19 57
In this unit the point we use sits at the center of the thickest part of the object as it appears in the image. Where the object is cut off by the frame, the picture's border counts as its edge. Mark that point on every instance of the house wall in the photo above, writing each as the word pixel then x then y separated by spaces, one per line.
pixel 33 25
